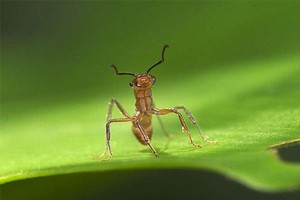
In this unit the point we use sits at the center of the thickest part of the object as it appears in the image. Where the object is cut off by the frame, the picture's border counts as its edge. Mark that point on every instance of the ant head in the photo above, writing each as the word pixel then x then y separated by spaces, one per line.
pixel 145 80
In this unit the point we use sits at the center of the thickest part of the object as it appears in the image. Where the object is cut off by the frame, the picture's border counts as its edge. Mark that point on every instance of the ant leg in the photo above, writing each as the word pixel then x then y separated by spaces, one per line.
pixel 146 138
pixel 109 120
pixel 184 127
pixel 108 148
pixel 111 104
pixel 194 122
pixel 162 125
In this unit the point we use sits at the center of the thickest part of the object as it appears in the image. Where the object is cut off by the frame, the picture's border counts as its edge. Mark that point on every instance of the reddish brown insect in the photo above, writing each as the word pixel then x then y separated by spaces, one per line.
pixel 144 109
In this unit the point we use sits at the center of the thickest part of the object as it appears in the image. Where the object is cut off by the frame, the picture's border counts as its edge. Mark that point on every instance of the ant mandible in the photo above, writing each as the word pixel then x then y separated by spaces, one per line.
pixel 144 109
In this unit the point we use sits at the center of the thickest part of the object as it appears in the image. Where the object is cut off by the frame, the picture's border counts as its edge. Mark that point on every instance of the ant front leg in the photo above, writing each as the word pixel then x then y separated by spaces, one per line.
pixel 127 118
pixel 184 127
pixel 192 119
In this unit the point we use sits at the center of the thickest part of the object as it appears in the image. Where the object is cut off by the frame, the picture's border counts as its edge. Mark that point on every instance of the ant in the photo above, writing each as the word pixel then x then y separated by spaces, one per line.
pixel 144 109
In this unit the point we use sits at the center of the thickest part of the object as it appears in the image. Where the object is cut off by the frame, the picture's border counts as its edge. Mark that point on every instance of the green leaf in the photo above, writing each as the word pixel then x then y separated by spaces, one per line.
pixel 247 108
pixel 234 64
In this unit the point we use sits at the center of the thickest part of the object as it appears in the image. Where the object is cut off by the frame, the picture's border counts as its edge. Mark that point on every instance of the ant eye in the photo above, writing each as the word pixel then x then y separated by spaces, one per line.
pixel 130 84
pixel 153 81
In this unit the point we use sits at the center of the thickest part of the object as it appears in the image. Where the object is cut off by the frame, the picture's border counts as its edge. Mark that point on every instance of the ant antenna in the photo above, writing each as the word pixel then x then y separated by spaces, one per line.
pixel 122 73
pixel 162 59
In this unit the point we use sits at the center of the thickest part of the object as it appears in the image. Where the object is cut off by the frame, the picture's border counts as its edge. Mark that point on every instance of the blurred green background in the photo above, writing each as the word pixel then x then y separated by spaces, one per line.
pixel 59 48
pixel 55 54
